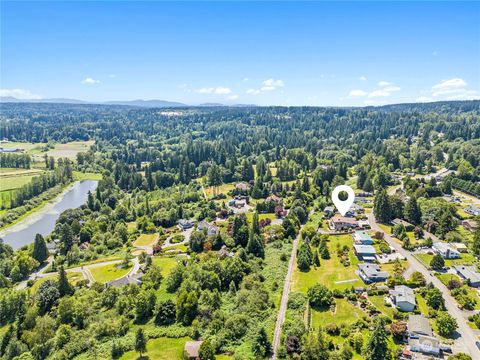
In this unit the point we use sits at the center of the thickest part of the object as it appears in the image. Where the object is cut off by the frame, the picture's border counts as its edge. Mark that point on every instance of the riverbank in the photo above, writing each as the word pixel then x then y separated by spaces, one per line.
pixel 43 220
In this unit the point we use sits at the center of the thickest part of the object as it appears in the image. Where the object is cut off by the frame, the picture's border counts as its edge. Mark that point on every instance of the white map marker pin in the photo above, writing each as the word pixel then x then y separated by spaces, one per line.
pixel 343 206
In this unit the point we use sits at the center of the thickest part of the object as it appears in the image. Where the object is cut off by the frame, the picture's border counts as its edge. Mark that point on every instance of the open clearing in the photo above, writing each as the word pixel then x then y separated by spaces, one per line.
pixel 146 240
pixel 161 349
pixel 104 274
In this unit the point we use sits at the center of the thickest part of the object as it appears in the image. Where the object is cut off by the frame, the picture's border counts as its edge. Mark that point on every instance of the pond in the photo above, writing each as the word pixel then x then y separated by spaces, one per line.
pixel 43 221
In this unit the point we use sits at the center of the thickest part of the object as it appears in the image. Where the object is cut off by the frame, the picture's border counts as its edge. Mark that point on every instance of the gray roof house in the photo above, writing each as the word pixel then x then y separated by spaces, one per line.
pixel 211 229
pixel 185 224
pixel 420 336
pixel 403 298
pixel 468 273
pixel 472 210
pixel 371 273
pixel 365 252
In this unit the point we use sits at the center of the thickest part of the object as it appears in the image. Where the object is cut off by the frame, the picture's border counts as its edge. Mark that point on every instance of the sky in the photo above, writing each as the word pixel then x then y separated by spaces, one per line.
pixel 265 53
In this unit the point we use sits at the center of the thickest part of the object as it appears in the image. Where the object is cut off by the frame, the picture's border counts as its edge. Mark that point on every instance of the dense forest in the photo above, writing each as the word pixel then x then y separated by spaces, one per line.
pixel 155 166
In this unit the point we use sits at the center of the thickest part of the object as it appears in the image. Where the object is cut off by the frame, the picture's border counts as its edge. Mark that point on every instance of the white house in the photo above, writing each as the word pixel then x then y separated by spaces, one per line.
pixel 403 298
pixel 445 250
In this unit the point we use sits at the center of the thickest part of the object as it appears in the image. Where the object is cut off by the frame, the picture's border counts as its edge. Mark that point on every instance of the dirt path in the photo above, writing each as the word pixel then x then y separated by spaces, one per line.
pixel 286 290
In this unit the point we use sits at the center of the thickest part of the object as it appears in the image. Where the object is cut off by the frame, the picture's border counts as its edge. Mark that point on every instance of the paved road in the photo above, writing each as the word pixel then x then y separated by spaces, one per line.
pixel 286 290
pixel 467 338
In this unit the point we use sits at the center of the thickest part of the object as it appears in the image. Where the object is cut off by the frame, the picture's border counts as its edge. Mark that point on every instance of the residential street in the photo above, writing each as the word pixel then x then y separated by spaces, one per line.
pixel 468 336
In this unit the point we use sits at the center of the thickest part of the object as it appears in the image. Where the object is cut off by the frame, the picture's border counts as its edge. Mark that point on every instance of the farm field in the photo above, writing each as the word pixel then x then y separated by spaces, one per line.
pixel 69 149
pixel 11 179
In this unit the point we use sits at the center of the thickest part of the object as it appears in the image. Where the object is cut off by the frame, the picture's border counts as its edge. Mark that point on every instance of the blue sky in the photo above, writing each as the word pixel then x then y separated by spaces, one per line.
pixel 267 53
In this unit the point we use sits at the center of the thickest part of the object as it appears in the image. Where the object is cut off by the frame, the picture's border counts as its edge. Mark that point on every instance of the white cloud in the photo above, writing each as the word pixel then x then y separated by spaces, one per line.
pixel 357 93
pixel 19 94
pixel 219 90
pixel 363 78
pixel 245 79
pixel 90 81
pixel 383 83
pixel 232 97
pixel 450 89
pixel 267 85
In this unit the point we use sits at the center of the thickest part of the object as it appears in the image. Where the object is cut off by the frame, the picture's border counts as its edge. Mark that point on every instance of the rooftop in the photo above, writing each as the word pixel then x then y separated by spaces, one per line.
pixel 364 249
pixel 403 293
pixel 372 270
pixel 419 324
pixel 468 272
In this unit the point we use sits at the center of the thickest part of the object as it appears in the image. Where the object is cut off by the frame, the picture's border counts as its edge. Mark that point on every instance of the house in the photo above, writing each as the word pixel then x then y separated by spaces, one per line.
pixel 460 247
pixel 191 350
pixel 362 238
pixel 356 209
pixel 420 336
pixel 405 224
pixel 184 224
pixel 237 203
pixel 135 279
pixel 363 224
pixel 364 194
pixel 242 186
pixel 469 274
pixel 338 223
pixel 329 210
pixel 472 210
pixel 470 225
pixel 365 252
pixel 274 198
pixel 445 250
pixel 371 273
pixel 403 298
pixel 210 228
pixel 224 252
pixel 418 325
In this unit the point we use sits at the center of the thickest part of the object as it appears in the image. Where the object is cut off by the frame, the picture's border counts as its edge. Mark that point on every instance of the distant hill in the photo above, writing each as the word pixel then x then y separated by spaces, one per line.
pixel 148 103
pixel 6 99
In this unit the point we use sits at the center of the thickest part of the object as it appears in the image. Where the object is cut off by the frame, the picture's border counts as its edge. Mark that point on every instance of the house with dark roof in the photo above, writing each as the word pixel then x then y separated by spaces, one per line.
pixel 472 210
pixel 371 273
pixel 403 298
pixel 184 224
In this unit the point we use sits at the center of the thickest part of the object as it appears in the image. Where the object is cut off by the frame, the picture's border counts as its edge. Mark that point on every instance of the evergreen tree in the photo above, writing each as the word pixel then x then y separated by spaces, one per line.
pixel 412 211
pixel 40 251
pixel 316 259
pixel 476 240
pixel 255 245
pixel 376 347
pixel 304 257
pixel 140 342
pixel 261 345
pixel 382 208
pixel 255 224
pixel 206 351
pixel 64 287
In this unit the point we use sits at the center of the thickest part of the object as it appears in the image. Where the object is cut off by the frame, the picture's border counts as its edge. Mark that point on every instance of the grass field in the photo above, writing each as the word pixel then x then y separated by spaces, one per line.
pixel 161 349
pixel 330 271
pixel 77 175
pixel 68 150
pixel 11 179
pixel 146 240
pixel 166 265
pixel 345 313
pixel 260 216
pixel 465 259
pixel 104 274
pixel 73 278
pixel 379 302
pixel 222 189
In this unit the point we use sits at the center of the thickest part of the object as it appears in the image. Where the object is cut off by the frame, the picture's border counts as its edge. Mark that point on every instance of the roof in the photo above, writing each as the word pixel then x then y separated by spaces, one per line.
pixel 419 324
pixel 126 280
pixel 329 209
pixel 403 293
pixel 372 271
pixel 192 348
pixel 401 222
pixel 364 249
pixel 443 247
pixel 344 219
pixel 361 235
pixel 458 245
pixel 274 198
pixel 468 272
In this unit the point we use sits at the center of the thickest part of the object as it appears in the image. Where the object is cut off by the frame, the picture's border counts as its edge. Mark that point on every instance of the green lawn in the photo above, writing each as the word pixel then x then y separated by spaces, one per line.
pixel 161 349
pixel 222 189
pixel 344 313
pixel 379 302
pixel 77 175
pixel 166 265
pixel 331 270
pixel 260 216
pixel 421 305
pixel 12 182
pixel 146 240
pixel 73 278
pixel 465 259
pixel 104 274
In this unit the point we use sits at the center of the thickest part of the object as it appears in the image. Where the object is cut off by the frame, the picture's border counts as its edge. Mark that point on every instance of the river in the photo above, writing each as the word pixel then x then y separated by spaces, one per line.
pixel 43 221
